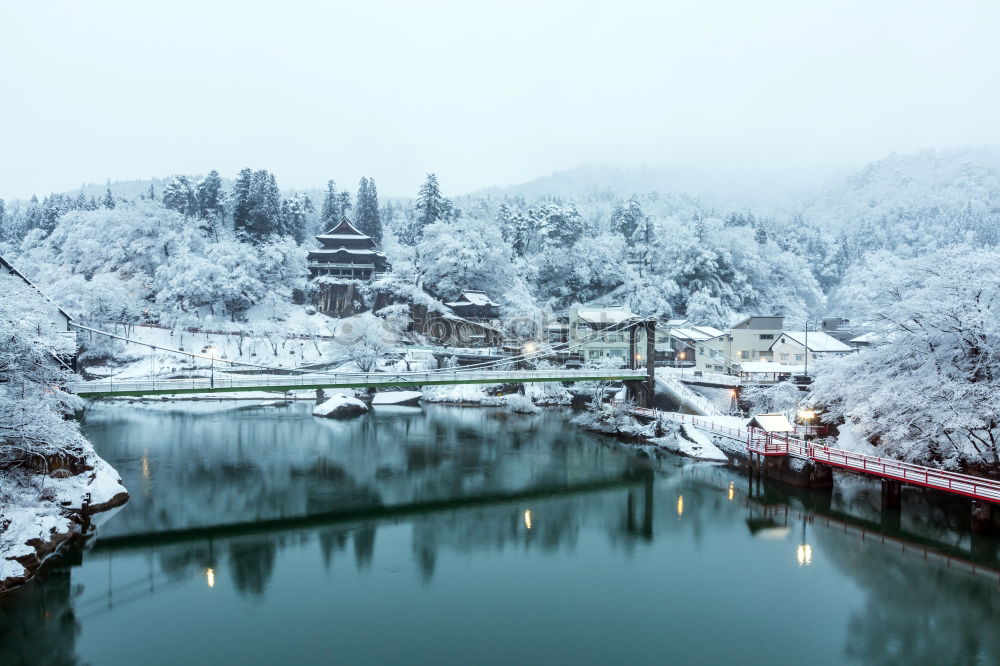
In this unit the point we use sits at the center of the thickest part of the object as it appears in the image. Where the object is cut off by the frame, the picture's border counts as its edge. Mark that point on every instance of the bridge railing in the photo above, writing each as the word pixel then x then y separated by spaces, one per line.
pixel 962 484
pixel 223 381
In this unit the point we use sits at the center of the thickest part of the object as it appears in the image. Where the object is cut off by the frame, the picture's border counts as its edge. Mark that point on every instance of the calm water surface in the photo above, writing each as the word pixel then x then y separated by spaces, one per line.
pixel 444 535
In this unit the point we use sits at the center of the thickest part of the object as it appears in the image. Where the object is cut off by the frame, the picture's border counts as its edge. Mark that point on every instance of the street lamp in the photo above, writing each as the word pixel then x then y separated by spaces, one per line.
pixel 677 358
pixel 211 354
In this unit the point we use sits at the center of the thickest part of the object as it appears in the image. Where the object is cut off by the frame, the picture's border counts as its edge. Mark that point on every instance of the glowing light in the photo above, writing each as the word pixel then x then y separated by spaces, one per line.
pixel 527 518
pixel 806 414
pixel 731 491
pixel 529 348
pixel 804 554
pixel 210 576
pixel 680 505
pixel 681 356
pixel 145 465
pixel 732 393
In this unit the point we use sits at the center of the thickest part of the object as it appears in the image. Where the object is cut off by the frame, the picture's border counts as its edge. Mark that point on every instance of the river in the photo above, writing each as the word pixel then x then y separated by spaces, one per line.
pixel 448 535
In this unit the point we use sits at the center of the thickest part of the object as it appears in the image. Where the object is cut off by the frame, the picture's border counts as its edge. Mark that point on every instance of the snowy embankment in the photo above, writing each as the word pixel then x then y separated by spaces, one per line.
pixel 665 433
pixel 297 340
pixel 686 397
pixel 38 513
pixel 487 395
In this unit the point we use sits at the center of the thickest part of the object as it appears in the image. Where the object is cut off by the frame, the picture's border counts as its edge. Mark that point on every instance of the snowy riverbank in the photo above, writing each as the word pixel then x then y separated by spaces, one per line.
pixel 39 513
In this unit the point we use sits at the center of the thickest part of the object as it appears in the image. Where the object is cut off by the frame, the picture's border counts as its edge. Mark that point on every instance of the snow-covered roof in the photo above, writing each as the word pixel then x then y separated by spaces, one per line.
pixel 343 231
pixel 10 267
pixel 344 249
pixel 473 298
pixel 771 423
pixel 866 338
pixel 607 315
pixel 818 341
pixel 697 333
pixel 676 323
pixel 756 367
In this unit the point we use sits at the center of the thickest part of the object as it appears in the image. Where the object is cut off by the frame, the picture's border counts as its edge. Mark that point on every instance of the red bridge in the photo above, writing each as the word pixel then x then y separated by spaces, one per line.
pixel 763 443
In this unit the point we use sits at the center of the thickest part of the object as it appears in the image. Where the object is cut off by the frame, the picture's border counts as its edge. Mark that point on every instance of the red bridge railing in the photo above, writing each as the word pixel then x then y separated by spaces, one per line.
pixel 779 444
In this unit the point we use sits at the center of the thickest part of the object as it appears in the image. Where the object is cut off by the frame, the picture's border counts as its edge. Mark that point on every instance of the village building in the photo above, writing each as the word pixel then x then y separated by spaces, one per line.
pixel 679 342
pixel 791 347
pixel 475 306
pixel 749 340
pixel 601 334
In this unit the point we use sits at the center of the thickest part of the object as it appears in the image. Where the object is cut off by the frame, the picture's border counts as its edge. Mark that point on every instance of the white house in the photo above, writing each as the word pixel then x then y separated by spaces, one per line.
pixel 749 340
pixel 599 333
pixel 791 347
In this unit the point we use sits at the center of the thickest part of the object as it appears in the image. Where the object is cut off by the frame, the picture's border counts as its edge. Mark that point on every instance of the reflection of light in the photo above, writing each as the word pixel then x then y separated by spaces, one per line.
pixel 730 491
pixel 527 518
pixel 804 554
pixel 145 465
pixel 680 505
pixel 210 576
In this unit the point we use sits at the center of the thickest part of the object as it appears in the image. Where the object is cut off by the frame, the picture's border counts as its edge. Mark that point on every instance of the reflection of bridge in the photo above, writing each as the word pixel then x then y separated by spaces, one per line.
pixel 229 383
pixel 377 513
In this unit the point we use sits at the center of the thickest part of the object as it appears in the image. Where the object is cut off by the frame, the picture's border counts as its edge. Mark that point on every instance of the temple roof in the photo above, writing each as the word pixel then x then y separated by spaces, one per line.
pixel 344 230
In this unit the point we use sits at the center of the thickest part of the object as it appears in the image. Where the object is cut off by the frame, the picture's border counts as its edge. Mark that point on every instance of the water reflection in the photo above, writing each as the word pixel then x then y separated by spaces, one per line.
pixel 445 522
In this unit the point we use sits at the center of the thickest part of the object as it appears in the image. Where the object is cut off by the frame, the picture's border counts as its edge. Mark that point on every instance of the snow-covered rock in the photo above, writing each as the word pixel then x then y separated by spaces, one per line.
pixel 396 398
pixel 340 406
pixel 520 404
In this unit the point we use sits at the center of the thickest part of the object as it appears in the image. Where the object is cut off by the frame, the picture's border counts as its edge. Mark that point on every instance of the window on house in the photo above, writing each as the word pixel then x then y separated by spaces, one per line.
pixel 784 357
pixel 594 353
pixel 617 353
pixel 767 336
pixel 799 357
pixel 744 354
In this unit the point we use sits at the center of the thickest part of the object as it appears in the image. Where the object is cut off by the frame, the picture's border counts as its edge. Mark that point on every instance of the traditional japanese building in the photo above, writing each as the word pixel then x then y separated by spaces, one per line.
pixel 347 254
pixel 475 305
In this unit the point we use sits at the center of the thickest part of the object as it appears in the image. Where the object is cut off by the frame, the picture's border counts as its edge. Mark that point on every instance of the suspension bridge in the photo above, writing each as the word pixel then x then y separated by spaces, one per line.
pixel 252 377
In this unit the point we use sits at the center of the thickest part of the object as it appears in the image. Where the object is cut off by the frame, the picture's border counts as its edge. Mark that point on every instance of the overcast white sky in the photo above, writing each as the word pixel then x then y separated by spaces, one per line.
pixel 483 93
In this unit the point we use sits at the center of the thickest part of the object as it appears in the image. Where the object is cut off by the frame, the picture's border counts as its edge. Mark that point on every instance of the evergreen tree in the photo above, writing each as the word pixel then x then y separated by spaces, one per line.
pixel 760 234
pixel 366 214
pixel 331 213
pixel 626 218
pixel 344 200
pixel 431 205
pixel 152 193
pixel 179 196
pixel 108 201
pixel 241 200
pixel 208 196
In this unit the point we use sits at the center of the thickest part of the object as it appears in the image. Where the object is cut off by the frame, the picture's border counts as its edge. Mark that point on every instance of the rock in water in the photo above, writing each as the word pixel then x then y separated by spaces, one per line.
pixel 340 406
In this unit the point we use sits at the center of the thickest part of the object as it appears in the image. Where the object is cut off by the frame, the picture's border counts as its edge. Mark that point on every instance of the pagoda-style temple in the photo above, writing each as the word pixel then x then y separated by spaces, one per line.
pixel 347 254
pixel 475 305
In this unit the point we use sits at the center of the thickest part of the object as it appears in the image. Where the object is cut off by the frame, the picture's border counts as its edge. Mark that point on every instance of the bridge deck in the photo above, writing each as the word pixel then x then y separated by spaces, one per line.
pixel 225 383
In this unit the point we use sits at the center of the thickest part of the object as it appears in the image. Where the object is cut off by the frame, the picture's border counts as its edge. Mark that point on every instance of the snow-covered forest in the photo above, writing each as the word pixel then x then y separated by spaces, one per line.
pixel 198 251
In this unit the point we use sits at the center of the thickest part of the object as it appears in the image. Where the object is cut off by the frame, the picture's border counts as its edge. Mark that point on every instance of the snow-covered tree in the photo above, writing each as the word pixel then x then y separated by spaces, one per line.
pixel 34 428
pixel 929 389
pixel 463 254
pixel 331 213
pixel 366 212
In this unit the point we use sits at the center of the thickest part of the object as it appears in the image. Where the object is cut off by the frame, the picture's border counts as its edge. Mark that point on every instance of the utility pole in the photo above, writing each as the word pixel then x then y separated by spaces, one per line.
pixel 806 344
